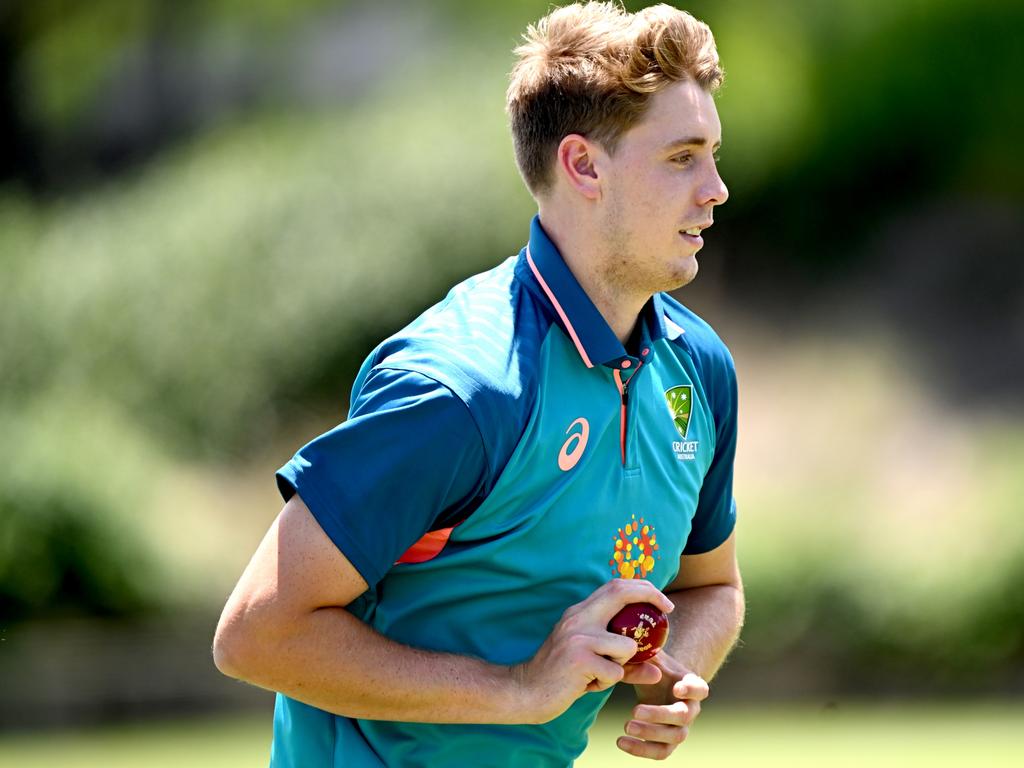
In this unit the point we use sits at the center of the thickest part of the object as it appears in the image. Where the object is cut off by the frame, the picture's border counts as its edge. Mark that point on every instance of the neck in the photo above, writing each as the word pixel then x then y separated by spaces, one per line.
pixel 585 258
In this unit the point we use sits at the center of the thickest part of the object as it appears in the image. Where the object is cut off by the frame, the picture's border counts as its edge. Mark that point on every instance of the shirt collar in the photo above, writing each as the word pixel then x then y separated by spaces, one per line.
pixel 541 265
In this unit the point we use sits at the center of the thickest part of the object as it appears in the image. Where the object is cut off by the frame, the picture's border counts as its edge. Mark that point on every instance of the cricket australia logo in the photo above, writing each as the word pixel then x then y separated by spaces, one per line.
pixel 680 406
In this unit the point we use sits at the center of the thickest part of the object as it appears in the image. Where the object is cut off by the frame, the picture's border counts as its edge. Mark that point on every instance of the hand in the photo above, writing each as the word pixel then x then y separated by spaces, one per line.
pixel 656 729
pixel 581 655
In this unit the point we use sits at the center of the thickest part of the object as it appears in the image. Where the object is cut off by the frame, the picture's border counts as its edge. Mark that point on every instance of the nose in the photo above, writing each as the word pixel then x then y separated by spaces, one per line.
pixel 713 191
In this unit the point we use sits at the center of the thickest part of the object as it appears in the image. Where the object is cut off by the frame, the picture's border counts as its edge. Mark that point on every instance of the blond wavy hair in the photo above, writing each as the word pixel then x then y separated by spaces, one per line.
pixel 591 68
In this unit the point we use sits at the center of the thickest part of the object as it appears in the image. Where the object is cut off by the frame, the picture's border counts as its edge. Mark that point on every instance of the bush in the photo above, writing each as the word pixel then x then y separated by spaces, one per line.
pixel 61 555
pixel 74 481
pixel 253 269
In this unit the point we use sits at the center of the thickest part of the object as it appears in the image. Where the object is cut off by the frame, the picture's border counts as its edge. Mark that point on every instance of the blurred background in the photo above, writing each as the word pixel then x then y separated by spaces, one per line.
pixel 211 211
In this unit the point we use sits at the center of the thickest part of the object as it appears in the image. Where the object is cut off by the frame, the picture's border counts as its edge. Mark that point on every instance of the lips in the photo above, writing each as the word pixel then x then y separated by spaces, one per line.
pixel 695 240
pixel 692 234
pixel 696 229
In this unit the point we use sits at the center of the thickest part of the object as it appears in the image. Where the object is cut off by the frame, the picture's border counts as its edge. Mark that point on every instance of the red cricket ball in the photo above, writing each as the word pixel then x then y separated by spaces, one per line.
pixel 644 623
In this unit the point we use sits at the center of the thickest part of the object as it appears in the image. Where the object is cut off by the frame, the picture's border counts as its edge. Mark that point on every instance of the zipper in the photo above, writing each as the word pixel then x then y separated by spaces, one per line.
pixel 623 402
pixel 623 388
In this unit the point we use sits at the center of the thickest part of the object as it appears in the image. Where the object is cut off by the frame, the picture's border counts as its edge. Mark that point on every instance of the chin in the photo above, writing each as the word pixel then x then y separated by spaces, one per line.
pixel 682 275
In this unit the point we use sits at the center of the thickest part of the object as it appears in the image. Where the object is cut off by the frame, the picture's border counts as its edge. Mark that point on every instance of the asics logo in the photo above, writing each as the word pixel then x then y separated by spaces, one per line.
pixel 575 445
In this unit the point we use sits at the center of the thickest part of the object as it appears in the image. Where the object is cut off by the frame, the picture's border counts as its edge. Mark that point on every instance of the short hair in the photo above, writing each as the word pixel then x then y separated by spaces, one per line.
pixel 591 68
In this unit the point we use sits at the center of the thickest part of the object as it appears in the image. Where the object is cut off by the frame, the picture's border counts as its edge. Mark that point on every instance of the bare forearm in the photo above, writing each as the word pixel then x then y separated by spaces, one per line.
pixel 704 626
pixel 335 662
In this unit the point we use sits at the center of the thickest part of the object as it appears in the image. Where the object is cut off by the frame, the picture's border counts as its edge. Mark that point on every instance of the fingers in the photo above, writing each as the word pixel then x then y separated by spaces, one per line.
pixel 691 687
pixel 599 658
pixel 581 654
pixel 605 674
pixel 664 734
pixel 618 593
pixel 655 731
pixel 643 673
pixel 678 713
pixel 653 750
pixel 615 647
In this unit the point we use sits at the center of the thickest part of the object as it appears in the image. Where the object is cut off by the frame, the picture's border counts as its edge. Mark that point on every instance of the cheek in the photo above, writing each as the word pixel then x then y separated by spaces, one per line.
pixel 662 193
pixel 647 202
pixel 642 182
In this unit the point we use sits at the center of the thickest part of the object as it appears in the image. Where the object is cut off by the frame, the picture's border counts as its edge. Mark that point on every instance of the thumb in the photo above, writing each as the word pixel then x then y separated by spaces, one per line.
pixel 691 686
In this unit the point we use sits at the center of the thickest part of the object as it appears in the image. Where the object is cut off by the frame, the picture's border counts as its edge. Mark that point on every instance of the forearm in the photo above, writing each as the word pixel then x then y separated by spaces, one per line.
pixel 705 626
pixel 335 662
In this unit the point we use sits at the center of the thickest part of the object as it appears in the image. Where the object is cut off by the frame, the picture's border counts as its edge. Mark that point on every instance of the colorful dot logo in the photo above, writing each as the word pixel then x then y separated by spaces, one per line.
pixel 635 546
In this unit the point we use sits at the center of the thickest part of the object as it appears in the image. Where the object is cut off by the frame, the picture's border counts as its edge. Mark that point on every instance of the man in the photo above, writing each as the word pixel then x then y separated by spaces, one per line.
pixel 550 443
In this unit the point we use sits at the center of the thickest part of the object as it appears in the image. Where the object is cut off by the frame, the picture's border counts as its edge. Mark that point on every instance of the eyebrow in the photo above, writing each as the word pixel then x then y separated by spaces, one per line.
pixel 691 141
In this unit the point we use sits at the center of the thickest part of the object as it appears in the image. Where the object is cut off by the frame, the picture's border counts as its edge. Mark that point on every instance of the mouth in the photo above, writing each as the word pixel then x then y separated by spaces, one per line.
pixel 692 235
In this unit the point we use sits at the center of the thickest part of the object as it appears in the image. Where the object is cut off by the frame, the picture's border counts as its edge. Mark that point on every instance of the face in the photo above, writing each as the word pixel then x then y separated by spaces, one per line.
pixel 659 189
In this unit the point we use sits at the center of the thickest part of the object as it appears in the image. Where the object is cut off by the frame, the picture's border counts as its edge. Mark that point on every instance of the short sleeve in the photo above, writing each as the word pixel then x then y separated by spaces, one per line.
pixel 715 517
pixel 408 460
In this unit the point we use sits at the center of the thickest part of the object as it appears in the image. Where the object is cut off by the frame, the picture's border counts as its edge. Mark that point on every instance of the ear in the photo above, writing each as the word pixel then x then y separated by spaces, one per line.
pixel 578 160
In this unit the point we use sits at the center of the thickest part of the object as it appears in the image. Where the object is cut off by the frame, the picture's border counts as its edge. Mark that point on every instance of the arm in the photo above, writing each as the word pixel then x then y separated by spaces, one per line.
pixel 285 628
pixel 708 595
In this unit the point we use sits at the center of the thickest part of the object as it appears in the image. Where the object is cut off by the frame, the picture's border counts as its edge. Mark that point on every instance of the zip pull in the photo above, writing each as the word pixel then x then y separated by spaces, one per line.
pixel 623 411
pixel 623 387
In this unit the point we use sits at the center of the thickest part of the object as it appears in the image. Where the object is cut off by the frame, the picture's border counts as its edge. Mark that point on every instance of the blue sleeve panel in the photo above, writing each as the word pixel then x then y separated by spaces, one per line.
pixel 408 460
pixel 715 517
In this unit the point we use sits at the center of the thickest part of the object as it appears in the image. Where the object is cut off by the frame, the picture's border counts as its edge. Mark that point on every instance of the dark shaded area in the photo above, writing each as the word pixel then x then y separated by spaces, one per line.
pixel 818 641
pixel 949 278
pixel 61 674
pixel 62 556
pixel 19 153
pixel 903 117
pixel 903 211
pixel 169 71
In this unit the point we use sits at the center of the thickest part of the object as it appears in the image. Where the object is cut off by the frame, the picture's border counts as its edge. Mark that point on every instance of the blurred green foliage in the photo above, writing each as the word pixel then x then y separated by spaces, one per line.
pixel 70 496
pixel 60 556
pixel 229 279
pixel 892 559
pixel 65 50
pixel 840 115
pixel 197 309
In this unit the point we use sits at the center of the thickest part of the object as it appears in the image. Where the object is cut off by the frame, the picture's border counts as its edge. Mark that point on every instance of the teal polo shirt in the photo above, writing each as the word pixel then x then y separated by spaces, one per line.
pixel 504 457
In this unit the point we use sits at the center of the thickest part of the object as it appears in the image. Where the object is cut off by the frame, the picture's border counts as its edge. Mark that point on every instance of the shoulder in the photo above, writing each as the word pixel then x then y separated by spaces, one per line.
pixel 482 337
pixel 694 334
pixel 481 342
pixel 711 358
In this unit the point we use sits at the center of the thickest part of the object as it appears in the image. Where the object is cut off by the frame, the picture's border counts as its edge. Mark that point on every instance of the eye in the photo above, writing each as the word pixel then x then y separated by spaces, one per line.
pixel 683 159
pixel 718 156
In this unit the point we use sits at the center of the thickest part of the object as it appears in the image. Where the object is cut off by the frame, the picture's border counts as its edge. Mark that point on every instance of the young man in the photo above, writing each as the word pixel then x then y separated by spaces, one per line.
pixel 551 442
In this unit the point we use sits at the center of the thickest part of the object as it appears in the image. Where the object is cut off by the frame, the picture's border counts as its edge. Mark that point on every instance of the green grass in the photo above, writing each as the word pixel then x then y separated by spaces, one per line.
pixel 213 742
pixel 955 734
pixel 958 734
